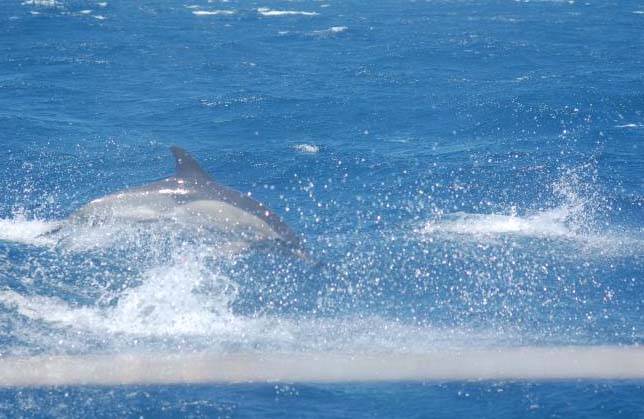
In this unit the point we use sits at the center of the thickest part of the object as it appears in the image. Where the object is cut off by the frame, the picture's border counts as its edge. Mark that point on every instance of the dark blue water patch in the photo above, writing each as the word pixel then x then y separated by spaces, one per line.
pixel 440 400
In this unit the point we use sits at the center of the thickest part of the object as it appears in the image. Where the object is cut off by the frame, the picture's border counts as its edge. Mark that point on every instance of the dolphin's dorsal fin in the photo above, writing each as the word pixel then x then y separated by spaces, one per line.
pixel 187 166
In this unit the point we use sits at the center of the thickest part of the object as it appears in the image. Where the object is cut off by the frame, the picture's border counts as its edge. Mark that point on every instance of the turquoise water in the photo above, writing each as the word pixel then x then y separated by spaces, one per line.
pixel 465 173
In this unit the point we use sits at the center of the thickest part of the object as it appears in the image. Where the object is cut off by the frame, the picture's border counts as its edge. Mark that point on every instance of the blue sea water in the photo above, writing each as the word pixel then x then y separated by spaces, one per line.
pixel 466 173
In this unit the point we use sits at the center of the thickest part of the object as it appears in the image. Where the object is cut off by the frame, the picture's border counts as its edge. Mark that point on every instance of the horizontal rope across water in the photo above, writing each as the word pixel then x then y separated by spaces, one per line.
pixel 523 363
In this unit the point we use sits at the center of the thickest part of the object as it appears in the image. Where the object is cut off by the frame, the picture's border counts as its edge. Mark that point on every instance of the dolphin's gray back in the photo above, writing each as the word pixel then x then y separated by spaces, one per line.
pixel 199 185
pixel 190 196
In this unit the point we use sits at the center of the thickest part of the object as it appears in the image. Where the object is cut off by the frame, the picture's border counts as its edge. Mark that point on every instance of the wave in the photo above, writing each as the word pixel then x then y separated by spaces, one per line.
pixel 265 11
pixel 166 303
pixel 577 219
pixel 333 30
pixel 189 308
pixel 188 304
pixel 550 223
pixel 631 125
pixel 553 224
pixel 42 3
pixel 213 12
pixel 307 148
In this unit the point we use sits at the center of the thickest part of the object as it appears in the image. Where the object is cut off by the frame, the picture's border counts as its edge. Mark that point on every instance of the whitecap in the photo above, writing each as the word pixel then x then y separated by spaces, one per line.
pixel 265 11
pixel 307 148
pixel 41 3
pixel 333 30
pixel 629 126
pixel 213 12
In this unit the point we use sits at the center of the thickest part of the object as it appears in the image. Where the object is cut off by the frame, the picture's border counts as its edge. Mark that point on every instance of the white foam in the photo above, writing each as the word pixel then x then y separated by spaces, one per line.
pixel 629 126
pixel 333 30
pixel 187 300
pixel 167 303
pixel 85 12
pixel 99 17
pixel 265 11
pixel 338 29
pixel 576 219
pixel 307 148
pixel 25 231
pixel 213 12
pixel 41 3
pixel 102 4
pixel 554 224
pixel 171 306
pixel 543 224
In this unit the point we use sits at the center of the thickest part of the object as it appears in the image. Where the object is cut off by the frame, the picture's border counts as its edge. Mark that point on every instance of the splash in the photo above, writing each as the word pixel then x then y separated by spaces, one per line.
pixel 32 232
pixel 579 217
pixel 181 298
pixel 550 223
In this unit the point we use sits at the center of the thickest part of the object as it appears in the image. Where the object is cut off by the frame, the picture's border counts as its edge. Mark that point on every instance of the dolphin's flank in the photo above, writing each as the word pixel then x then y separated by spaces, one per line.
pixel 192 196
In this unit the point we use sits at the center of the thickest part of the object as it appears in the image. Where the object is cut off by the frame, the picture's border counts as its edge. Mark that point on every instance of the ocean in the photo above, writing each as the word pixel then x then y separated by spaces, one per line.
pixel 467 176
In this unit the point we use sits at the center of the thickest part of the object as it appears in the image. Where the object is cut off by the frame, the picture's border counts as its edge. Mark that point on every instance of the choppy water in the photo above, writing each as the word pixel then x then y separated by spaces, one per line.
pixel 466 174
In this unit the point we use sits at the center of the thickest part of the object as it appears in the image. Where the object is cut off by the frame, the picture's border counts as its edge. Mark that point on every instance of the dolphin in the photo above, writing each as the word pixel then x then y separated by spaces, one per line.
pixel 193 197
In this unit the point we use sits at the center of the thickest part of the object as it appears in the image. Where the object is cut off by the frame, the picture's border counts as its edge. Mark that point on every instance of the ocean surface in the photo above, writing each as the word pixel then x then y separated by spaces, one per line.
pixel 465 173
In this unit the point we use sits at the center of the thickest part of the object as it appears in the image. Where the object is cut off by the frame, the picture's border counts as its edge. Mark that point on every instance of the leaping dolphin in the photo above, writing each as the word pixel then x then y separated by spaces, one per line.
pixel 194 197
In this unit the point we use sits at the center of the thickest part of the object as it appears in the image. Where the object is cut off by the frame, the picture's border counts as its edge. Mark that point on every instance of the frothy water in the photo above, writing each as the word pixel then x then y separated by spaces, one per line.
pixel 184 288
pixel 33 232
pixel 549 224
pixel 178 299
pixel 265 11
pixel 307 148
pixel 213 12
pixel 577 220
pixel 187 303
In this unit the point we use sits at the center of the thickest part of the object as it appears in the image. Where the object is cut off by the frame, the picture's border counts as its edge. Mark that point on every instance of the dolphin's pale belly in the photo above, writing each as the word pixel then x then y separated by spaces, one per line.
pixel 162 205
pixel 226 217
